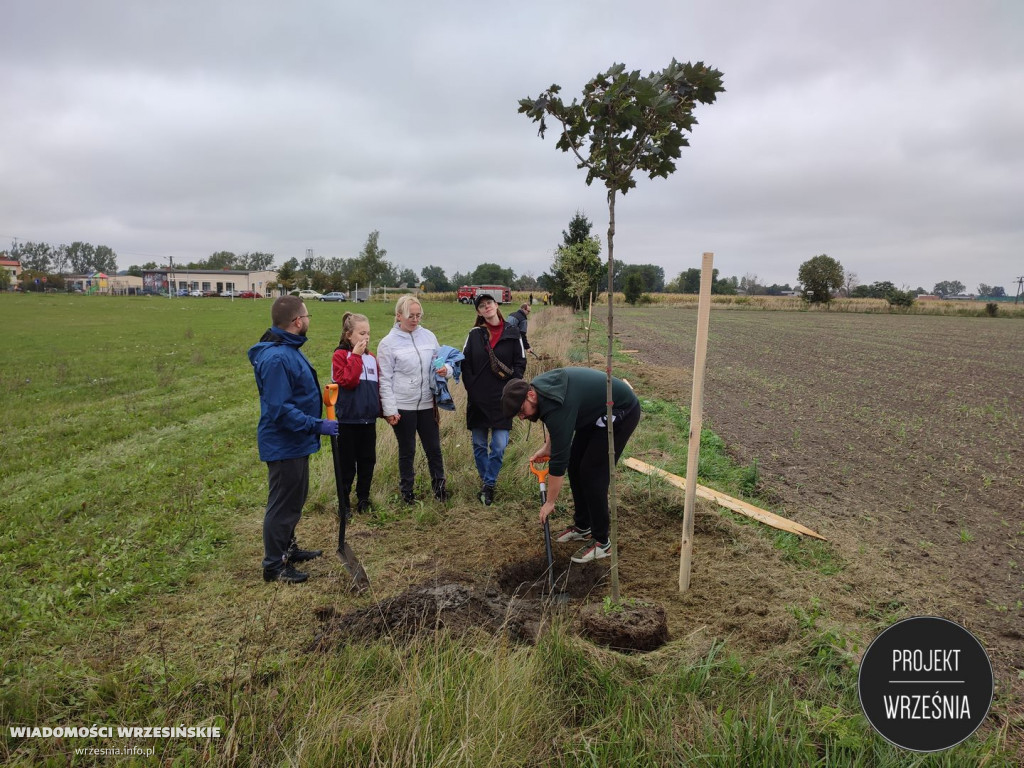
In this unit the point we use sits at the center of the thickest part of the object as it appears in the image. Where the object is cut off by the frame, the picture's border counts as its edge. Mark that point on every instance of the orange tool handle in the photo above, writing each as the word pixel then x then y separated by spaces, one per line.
pixel 542 474
pixel 330 398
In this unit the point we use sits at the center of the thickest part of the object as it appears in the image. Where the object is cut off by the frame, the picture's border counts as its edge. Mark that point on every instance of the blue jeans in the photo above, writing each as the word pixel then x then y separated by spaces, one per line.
pixel 488 465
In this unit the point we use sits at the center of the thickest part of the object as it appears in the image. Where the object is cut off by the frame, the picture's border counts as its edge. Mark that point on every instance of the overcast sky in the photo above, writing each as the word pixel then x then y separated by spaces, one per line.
pixel 888 134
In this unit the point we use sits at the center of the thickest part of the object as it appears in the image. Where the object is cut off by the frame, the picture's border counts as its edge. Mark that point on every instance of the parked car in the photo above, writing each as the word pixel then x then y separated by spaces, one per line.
pixel 250 295
pixel 305 293
pixel 208 294
pixel 229 294
pixel 196 293
pixel 183 292
pixel 334 296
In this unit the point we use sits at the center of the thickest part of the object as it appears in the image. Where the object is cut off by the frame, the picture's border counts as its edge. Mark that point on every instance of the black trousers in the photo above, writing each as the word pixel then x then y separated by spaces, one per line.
pixel 411 424
pixel 588 470
pixel 357 446
pixel 289 485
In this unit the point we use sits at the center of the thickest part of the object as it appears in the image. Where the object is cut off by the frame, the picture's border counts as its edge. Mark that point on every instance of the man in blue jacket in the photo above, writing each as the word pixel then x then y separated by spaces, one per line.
pixel 289 431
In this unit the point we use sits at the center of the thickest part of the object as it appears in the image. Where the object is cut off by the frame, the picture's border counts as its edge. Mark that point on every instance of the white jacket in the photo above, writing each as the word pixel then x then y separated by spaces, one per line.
pixel 405 361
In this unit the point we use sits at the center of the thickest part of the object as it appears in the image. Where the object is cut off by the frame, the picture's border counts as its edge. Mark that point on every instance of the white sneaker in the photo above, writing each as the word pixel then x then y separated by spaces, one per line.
pixel 572 533
pixel 595 550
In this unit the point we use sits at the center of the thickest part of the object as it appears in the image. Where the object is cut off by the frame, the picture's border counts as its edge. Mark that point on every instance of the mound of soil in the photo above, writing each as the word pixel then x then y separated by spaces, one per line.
pixel 451 602
pixel 636 627
pixel 513 603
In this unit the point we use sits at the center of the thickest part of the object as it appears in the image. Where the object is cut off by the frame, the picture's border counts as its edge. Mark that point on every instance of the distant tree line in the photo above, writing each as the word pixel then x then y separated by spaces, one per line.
pixel 822 278
pixel 78 258
pixel 48 263
pixel 577 272
pixel 991 291
pixel 370 267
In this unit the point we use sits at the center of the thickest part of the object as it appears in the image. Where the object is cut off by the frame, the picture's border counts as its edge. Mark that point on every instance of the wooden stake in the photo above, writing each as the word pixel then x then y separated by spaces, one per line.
pixel 724 500
pixel 696 416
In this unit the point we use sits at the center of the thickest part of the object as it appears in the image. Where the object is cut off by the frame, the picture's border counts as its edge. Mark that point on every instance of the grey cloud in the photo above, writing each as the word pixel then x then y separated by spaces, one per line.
pixel 885 134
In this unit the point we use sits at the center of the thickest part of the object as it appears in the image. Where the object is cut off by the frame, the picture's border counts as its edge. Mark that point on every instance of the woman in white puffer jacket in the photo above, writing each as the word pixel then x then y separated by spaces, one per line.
pixel 405 359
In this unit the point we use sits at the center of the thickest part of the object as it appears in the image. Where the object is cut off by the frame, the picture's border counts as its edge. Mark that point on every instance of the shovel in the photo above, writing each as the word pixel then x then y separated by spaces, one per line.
pixel 542 478
pixel 360 582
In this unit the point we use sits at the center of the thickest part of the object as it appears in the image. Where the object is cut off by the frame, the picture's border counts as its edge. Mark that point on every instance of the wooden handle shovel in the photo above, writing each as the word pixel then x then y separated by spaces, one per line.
pixel 360 581
pixel 542 477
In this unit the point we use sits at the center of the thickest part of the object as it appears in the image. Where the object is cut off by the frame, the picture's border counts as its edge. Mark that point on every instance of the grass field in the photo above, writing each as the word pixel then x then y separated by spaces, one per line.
pixel 130 549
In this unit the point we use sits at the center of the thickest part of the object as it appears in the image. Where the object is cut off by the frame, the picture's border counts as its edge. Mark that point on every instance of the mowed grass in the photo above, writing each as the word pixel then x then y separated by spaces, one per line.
pixel 132 500
pixel 128 441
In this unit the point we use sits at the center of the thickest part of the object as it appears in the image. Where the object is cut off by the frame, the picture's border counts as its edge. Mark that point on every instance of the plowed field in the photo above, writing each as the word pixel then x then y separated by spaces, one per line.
pixel 899 438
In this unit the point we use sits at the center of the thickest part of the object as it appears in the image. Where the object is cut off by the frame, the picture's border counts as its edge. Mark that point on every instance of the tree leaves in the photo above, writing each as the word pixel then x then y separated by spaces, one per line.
pixel 578 269
pixel 821 277
pixel 628 122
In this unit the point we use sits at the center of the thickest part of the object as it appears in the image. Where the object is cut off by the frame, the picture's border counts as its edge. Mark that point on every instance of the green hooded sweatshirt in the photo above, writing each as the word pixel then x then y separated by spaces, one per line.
pixel 572 398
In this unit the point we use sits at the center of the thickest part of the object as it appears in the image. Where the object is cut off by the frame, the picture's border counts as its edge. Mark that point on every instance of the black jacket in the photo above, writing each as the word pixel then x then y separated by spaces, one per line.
pixel 519 319
pixel 484 387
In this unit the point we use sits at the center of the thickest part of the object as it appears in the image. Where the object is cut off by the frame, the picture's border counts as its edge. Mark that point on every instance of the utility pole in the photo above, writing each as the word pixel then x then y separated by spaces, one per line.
pixel 1020 289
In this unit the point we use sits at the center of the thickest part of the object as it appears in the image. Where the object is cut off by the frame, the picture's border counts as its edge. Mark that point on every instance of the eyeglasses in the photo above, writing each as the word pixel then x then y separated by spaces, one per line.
pixel 299 317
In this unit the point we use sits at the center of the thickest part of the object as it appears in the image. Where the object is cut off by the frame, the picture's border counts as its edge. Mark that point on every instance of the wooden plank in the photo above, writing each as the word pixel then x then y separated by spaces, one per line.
pixel 724 500
pixel 696 414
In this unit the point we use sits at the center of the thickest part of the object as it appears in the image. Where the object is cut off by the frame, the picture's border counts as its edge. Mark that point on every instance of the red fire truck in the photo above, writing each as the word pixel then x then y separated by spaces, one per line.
pixel 467 293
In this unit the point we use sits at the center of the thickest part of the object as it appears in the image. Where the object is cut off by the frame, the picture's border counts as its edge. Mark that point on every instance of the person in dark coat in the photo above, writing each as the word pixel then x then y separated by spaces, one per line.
pixel 520 319
pixel 494 355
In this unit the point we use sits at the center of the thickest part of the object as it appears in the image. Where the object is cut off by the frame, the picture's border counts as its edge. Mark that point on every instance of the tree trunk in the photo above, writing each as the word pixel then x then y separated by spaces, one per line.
pixel 613 517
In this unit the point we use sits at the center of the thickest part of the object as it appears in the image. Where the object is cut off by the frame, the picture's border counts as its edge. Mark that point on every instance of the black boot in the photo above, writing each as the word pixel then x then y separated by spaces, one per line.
pixel 405 487
pixel 296 555
pixel 287 574
pixel 364 506
pixel 440 489
pixel 486 495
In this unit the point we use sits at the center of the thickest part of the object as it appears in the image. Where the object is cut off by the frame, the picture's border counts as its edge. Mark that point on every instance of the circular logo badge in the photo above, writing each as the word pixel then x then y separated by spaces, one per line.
pixel 925 684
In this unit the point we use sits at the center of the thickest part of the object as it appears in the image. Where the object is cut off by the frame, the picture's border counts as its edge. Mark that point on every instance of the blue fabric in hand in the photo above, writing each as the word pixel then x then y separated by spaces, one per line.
pixel 328 428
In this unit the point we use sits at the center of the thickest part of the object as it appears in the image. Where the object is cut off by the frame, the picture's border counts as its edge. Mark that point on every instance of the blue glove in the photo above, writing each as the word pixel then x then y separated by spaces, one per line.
pixel 328 428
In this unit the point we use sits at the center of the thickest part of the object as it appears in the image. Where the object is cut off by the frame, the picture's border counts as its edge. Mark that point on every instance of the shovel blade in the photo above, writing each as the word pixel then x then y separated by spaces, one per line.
pixel 360 581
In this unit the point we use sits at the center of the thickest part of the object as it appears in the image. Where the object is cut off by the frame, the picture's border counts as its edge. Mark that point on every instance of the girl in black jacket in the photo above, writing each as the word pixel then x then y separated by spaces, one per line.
pixel 354 369
pixel 494 355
